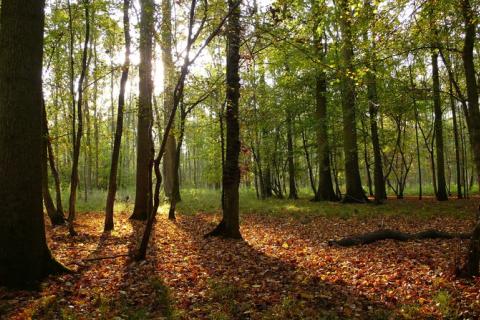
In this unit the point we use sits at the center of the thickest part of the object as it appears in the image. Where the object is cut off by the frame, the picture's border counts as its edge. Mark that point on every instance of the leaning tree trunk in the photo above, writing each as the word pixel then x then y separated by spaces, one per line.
pixel 441 181
pixel 112 183
pixel 56 177
pixel 169 173
pixel 24 255
pixel 145 116
pixel 55 215
pixel 229 227
pixel 354 191
pixel 78 136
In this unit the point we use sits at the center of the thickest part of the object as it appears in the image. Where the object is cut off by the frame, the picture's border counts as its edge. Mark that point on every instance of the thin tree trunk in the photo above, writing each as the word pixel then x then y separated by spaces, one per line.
pixel 441 181
pixel 55 215
pixel 458 165
pixel 414 100
pixel 311 178
pixel 78 136
pixel 365 157
pixel 291 162
pixel 112 182
pixel 373 106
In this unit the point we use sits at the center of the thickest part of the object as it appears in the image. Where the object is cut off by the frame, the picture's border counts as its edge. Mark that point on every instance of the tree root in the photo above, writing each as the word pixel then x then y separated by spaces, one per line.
pixel 384 234
pixel 222 231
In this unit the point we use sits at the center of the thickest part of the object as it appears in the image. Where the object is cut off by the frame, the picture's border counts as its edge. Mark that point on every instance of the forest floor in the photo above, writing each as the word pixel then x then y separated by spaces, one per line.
pixel 284 268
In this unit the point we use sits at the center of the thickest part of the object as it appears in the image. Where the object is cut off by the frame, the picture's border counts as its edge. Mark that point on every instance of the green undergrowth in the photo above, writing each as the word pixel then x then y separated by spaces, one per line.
pixel 208 201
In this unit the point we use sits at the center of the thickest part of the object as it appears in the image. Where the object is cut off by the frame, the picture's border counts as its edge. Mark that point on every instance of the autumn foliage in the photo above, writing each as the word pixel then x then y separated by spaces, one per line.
pixel 284 269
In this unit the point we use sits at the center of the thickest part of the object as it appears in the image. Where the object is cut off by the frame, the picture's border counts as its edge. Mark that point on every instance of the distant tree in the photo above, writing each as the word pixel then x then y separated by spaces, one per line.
pixel 24 254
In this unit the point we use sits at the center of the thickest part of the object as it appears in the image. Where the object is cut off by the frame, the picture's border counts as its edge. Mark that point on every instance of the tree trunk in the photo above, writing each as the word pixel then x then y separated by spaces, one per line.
pixel 169 173
pixel 373 106
pixel 24 257
pixel 78 135
pixel 458 165
pixel 325 190
pixel 145 116
pixel 112 182
pixel 354 191
pixel 473 119
pixel 291 163
pixel 55 214
pixel 441 182
pixel 229 227
pixel 311 178
pixel 420 191
pixel 178 151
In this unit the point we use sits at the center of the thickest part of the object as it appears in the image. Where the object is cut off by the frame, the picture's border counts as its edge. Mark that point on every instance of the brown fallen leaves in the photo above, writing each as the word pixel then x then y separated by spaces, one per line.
pixel 283 270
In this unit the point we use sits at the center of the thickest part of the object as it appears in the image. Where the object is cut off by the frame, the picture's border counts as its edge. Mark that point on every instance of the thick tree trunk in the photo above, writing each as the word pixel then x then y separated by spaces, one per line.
pixel 325 190
pixel 229 227
pixel 291 162
pixel 169 173
pixel 354 191
pixel 144 141
pixel 24 255
pixel 473 120
pixel 112 182
pixel 441 182
pixel 78 135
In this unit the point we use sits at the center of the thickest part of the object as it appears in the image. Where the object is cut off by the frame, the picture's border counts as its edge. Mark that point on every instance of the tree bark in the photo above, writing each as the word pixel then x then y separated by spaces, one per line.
pixel 441 182
pixel 112 182
pixel 229 227
pixel 472 118
pixel 291 162
pixel 354 191
pixel 414 100
pixel 55 214
pixel 169 173
pixel 145 115
pixel 325 190
pixel 24 255
pixel 458 165
pixel 78 135
pixel 373 106
pixel 385 234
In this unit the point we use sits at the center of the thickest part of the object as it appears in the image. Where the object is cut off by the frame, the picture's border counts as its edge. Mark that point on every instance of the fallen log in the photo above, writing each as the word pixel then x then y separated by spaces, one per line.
pixel 389 234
